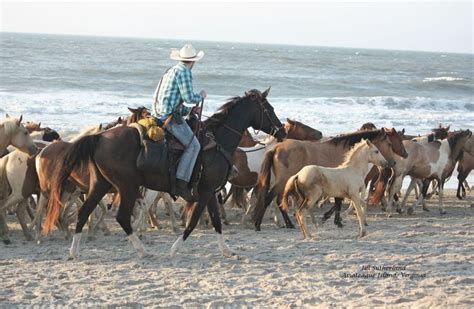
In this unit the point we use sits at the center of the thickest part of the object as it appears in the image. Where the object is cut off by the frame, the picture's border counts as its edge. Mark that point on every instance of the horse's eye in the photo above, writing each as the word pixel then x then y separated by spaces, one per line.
pixel 376 151
pixel 26 133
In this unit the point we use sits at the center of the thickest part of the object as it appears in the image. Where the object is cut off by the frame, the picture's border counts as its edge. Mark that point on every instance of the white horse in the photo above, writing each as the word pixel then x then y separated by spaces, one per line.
pixel 312 183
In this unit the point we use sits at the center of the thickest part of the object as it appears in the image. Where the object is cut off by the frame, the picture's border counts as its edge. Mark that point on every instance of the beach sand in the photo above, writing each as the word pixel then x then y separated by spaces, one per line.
pixel 274 267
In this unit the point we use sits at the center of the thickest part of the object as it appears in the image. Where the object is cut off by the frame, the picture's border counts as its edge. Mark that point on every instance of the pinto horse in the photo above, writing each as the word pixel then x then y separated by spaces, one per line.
pixel 110 157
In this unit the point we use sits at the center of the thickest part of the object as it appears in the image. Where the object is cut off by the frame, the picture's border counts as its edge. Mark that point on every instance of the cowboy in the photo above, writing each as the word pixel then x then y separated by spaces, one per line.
pixel 175 89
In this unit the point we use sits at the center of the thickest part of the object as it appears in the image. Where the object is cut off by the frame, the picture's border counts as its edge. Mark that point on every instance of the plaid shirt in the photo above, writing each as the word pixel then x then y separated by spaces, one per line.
pixel 176 87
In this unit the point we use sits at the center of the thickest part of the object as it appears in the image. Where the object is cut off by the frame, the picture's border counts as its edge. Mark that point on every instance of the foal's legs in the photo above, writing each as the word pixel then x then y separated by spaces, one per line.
pixel 22 215
pixel 413 184
pixel 357 201
pixel 300 217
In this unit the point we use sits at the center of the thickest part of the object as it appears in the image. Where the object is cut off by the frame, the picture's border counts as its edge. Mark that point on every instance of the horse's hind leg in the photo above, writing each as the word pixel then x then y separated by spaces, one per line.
pixel 124 214
pixel 22 215
pixel 440 197
pixel 4 228
pixel 300 217
pixel 97 190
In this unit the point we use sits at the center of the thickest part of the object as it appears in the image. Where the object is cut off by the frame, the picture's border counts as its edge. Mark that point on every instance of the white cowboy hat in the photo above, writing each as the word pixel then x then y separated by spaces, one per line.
pixel 186 53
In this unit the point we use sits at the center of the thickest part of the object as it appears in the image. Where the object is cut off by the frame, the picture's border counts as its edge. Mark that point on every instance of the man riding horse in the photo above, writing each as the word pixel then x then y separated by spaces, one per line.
pixel 175 89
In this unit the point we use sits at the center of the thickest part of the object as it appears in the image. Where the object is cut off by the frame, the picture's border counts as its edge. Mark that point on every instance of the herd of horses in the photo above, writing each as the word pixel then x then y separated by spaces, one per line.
pixel 49 182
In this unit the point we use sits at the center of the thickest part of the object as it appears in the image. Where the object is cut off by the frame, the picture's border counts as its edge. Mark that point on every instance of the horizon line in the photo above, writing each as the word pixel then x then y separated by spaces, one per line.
pixel 237 42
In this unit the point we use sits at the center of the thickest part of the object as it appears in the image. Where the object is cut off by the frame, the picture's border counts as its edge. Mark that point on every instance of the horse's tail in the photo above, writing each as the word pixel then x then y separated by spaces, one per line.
pixel 291 190
pixel 263 184
pixel 80 152
pixel 381 185
pixel 3 174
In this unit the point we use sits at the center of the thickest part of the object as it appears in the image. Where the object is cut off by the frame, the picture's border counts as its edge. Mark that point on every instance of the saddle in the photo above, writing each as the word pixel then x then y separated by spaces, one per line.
pixel 162 156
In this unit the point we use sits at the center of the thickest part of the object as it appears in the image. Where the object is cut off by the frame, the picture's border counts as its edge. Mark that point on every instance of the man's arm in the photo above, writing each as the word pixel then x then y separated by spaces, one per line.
pixel 185 85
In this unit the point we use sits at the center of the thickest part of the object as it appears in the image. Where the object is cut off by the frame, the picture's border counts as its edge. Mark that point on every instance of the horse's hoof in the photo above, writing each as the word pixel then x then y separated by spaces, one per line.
pixel 7 241
pixel 362 234
pixel 225 222
pixel 399 210
pixel 257 229
pixel 228 253
pixel 71 257
pixel 410 211
pixel 426 209
pixel 366 224
pixel 389 215
pixel 442 212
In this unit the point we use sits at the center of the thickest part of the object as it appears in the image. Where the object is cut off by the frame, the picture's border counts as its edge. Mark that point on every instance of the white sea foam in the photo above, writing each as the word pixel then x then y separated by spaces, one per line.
pixel 442 78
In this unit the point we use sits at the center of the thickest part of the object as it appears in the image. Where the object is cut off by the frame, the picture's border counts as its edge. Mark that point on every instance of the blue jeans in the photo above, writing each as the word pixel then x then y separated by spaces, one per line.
pixel 185 135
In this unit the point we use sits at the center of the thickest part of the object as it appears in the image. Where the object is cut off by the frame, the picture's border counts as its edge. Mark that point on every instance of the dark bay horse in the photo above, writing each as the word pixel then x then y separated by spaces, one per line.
pixel 111 156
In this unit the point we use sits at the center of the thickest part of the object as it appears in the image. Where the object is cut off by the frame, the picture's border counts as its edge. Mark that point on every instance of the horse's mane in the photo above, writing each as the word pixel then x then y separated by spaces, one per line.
pixel 350 139
pixel 351 153
pixel 9 126
pixel 218 117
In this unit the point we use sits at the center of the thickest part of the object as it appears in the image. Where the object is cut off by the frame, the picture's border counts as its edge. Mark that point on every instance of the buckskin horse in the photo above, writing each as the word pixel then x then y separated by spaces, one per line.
pixel 111 159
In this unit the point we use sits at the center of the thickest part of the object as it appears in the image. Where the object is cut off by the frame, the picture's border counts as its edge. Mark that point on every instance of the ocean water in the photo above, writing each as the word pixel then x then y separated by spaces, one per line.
pixel 70 82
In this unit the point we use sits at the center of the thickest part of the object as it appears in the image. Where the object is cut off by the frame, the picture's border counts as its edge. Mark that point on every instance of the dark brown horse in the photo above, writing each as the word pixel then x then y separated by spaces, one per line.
pixel 111 159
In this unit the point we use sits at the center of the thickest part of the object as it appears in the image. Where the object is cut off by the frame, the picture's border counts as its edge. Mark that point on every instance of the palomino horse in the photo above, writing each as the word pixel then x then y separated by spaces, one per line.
pixel 111 156
pixel 12 132
pixel 288 157
pixel 426 161
pixel 313 182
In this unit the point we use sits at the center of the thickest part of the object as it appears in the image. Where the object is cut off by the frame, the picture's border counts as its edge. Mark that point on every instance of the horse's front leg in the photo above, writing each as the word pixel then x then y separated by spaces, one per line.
pixel 440 197
pixel 191 221
pixel 360 214
pixel 212 208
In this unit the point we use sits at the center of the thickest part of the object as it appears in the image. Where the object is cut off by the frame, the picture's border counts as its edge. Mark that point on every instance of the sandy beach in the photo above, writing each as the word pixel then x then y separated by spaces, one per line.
pixel 423 260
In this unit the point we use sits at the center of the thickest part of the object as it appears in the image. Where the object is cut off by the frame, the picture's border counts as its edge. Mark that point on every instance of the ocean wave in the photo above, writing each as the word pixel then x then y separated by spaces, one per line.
pixel 442 78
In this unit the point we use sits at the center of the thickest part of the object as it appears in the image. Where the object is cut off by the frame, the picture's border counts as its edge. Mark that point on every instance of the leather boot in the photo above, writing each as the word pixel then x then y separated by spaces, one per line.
pixel 183 190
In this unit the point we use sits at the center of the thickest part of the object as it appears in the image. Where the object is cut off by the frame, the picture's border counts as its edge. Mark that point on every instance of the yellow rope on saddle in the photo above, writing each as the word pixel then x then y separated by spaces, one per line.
pixel 153 131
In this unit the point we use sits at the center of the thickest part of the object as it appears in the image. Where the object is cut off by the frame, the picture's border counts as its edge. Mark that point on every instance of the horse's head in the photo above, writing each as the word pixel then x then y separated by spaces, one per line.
pixel 375 156
pixel 19 136
pixel 50 135
pixel 397 142
pixel 368 126
pixel 300 131
pixel 138 114
pixel 440 132
pixel 33 126
pixel 264 118
pixel 383 143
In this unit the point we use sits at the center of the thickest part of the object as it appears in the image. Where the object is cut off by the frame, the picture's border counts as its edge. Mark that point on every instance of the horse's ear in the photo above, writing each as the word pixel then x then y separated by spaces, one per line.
pixel 265 93
pixel 290 121
pixel 7 116
pixel 39 125
pixel 100 126
pixel 18 122
pixel 447 128
pixel 367 141
pixel 403 131
pixel 119 120
pixel 133 110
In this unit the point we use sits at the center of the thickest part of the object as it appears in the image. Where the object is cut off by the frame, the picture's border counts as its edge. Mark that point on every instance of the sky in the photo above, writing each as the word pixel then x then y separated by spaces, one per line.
pixel 445 26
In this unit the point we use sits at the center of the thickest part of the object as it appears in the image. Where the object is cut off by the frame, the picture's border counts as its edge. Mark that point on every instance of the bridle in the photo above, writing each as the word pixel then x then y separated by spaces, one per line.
pixel 274 127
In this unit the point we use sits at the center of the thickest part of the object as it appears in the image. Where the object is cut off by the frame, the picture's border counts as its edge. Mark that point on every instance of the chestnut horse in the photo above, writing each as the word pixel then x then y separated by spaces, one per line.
pixel 288 157
pixel 110 158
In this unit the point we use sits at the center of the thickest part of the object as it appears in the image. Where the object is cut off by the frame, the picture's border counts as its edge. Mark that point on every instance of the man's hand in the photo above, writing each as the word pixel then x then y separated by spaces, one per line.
pixel 203 94
pixel 196 110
